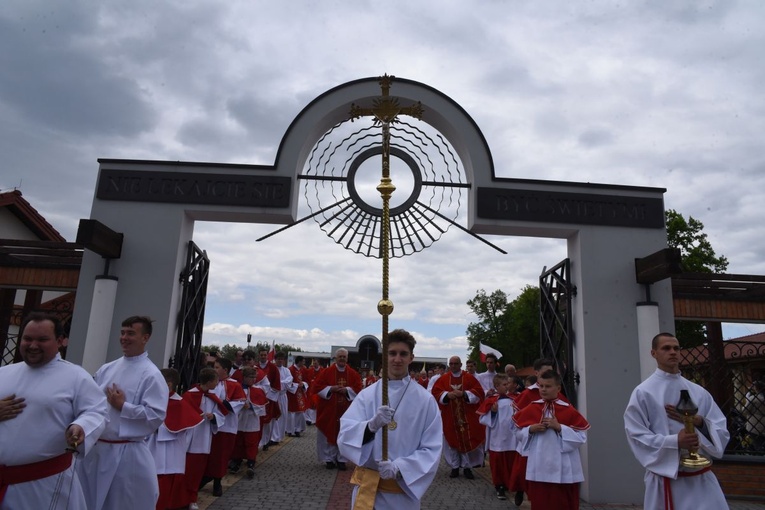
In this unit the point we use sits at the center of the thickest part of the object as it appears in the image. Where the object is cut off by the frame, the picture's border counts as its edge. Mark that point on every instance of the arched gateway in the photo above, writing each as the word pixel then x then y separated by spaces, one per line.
pixel 154 205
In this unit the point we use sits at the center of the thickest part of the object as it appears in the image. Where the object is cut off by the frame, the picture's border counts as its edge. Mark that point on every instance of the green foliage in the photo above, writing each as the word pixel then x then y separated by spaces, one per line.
pixel 698 256
pixel 229 350
pixel 510 327
pixel 697 253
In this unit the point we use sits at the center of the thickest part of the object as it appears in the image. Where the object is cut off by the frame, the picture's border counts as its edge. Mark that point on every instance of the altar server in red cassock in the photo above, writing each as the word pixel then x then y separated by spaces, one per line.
pixel 213 411
pixel 224 440
pixel 170 444
pixel 496 412
pixel 550 434
pixel 296 399
pixel 336 387
pixel 249 432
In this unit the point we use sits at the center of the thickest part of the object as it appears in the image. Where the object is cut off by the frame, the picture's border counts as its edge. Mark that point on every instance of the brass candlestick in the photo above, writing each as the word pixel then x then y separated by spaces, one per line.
pixel 693 461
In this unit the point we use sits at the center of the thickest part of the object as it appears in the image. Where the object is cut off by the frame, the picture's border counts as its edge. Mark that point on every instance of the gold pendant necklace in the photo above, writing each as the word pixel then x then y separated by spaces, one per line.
pixel 392 425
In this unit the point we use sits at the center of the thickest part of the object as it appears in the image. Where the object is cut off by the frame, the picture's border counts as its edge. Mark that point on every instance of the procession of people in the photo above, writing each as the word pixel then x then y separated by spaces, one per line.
pixel 124 438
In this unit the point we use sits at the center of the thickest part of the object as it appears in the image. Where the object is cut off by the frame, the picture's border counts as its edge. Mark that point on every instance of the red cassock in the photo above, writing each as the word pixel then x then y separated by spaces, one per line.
pixel 275 380
pixel 222 442
pixel 551 495
pixel 328 412
pixel 462 430
pixel 296 402
pixel 173 493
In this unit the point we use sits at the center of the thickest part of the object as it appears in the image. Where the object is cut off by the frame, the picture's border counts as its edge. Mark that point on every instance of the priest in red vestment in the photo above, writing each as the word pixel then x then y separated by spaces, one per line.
pixel 459 395
pixel 336 386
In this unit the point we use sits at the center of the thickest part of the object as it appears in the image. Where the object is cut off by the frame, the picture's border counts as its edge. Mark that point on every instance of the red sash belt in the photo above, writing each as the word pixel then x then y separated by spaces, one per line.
pixel 11 475
pixel 668 504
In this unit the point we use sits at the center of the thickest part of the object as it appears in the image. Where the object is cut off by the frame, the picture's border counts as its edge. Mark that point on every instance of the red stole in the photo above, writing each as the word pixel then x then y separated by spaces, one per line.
pixel 296 402
pixel 462 430
pixel 563 412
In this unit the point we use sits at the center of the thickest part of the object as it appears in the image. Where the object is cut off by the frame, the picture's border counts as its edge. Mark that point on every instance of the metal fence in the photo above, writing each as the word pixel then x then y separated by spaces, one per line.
pixel 734 373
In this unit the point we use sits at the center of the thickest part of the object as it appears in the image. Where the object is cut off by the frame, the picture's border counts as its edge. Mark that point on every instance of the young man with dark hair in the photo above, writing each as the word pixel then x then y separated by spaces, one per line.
pixel 656 434
pixel 136 393
pixel 414 434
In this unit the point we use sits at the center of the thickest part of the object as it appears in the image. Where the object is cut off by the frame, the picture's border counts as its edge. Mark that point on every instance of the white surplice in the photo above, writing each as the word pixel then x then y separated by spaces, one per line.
pixel 414 446
pixel 57 395
pixel 123 475
pixel 653 439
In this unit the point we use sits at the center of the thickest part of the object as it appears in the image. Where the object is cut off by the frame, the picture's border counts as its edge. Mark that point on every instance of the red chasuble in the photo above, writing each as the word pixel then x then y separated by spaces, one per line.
pixel 296 402
pixel 328 412
pixel 562 411
pixel 460 420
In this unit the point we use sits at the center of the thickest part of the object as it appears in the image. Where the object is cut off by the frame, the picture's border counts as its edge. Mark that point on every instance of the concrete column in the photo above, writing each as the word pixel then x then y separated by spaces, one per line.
pixel 99 323
pixel 648 327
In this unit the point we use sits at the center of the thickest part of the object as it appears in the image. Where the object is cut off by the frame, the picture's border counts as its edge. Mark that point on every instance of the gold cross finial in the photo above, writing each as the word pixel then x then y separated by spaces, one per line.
pixel 386 109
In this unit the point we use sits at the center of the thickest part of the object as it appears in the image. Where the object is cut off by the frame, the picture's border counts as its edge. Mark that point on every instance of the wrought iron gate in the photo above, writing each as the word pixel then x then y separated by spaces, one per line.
pixel 191 316
pixel 555 324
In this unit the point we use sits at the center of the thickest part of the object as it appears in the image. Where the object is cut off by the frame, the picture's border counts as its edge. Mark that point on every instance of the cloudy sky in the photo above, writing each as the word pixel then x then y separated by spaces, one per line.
pixel 660 93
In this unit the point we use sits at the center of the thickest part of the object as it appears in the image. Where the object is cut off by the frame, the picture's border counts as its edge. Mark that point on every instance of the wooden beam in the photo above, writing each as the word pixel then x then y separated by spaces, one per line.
pixel 658 266
pixel 97 237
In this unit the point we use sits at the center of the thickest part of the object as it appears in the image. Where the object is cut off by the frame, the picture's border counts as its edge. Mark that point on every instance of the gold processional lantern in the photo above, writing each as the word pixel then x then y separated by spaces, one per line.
pixel 692 461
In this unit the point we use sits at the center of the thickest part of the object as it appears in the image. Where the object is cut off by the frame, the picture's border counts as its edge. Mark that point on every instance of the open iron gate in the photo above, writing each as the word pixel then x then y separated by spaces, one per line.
pixel 555 324
pixel 191 316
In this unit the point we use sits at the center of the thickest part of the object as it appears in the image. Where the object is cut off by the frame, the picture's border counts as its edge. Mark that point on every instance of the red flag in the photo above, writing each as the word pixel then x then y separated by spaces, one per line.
pixel 485 349
pixel 272 352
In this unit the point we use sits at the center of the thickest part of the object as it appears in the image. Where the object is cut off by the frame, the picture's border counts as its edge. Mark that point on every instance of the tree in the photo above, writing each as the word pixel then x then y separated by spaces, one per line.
pixel 524 327
pixel 697 256
pixel 510 327
pixel 229 350
pixel 491 328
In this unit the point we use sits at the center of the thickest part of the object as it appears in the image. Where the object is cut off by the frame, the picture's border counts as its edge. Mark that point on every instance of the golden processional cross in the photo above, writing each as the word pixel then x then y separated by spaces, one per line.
pixel 385 111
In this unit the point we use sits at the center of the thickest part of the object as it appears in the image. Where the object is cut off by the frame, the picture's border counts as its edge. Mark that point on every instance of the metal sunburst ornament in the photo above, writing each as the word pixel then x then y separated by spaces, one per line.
pixel 437 181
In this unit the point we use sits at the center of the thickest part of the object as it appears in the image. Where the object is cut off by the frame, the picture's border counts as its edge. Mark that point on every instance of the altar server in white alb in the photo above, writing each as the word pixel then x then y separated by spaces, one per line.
pixel 120 472
pixel 415 436
pixel 656 434
pixel 56 405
